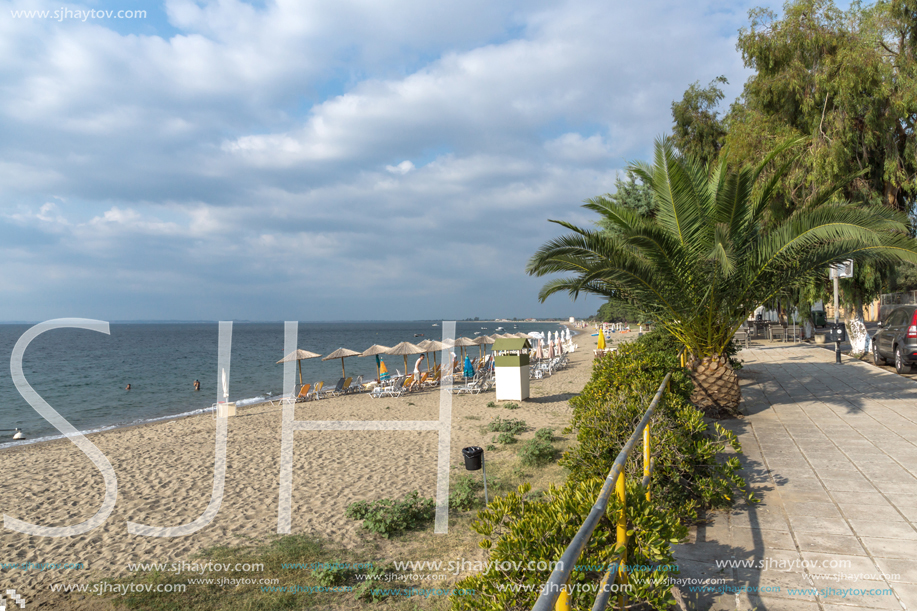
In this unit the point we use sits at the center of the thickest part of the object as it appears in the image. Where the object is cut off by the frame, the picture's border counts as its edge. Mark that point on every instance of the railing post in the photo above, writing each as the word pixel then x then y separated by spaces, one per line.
pixel 646 458
pixel 564 601
pixel 622 535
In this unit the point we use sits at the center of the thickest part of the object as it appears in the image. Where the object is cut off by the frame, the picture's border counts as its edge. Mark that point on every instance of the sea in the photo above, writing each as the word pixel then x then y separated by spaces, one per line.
pixel 83 374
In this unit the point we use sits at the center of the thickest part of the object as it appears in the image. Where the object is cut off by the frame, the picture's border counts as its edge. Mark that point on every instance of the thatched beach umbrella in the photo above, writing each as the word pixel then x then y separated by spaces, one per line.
pixel 463 342
pixel 433 346
pixel 404 349
pixel 342 353
pixel 482 341
pixel 375 350
pixel 300 356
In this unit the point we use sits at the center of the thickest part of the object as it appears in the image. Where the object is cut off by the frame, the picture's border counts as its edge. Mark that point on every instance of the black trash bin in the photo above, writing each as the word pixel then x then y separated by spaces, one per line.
pixel 473 456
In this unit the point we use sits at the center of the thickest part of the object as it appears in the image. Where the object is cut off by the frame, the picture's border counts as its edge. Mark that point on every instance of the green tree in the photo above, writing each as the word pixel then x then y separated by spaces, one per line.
pixel 707 259
pixel 698 132
pixel 846 80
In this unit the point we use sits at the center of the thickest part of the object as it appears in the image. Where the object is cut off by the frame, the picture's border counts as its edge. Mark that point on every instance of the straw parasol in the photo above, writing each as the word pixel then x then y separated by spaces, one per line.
pixel 375 350
pixel 434 346
pixel 404 349
pixel 463 342
pixel 342 353
pixel 482 341
pixel 299 355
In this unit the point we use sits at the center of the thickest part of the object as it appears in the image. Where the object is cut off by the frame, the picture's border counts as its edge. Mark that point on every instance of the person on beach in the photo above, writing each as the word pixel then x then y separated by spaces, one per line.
pixel 197 385
pixel 415 383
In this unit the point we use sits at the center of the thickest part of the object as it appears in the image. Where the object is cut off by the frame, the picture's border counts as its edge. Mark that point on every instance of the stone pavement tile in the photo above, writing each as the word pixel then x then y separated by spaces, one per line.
pixel 829 544
pixel 758 517
pixel 855 483
pixel 896 487
pixel 907 592
pixel 900 570
pixel 870 511
pixel 774 583
pixel 769 603
pixel 754 538
pixel 850 597
pixel 839 564
pixel 819 526
pixel 890 548
pixel 793 495
pixel 884 530
pixel 824 510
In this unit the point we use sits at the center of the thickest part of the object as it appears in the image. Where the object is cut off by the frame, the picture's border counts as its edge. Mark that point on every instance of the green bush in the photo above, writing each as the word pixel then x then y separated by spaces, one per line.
pixel 491 448
pixel 545 434
pixel 372 588
pixel 687 475
pixel 498 425
pixel 520 527
pixel 463 494
pixel 504 438
pixel 332 576
pixel 387 516
pixel 536 452
pixel 492 404
pixel 511 405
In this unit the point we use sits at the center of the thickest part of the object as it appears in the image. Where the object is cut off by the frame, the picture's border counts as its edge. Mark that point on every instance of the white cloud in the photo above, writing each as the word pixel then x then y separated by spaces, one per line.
pixel 418 147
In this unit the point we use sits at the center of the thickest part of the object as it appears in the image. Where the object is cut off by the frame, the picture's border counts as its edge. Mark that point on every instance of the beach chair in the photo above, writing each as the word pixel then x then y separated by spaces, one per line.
pixel 317 390
pixel 355 386
pixel 303 393
pixel 337 389
pixel 430 382
pixel 395 390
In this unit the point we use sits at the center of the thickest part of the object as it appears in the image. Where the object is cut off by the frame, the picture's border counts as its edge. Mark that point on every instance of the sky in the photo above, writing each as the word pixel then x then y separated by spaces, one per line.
pixel 325 160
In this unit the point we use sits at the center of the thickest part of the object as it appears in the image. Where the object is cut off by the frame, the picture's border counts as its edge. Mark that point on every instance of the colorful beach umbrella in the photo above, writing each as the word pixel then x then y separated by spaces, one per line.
pixel 300 356
pixel 342 353
pixel 601 339
pixel 383 370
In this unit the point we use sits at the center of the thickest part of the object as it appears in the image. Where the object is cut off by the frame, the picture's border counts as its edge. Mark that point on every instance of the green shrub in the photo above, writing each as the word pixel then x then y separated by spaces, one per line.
pixel 372 588
pixel 687 475
pixel 492 404
pixel 504 438
pixel 491 448
pixel 332 576
pixel 387 516
pixel 511 405
pixel 498 425
pixel 545 434
pixel 520 527
pixel 536 453
pixel 463 494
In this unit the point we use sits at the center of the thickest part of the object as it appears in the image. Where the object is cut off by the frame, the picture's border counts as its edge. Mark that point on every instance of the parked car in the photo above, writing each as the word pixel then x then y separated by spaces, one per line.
pixel 896 339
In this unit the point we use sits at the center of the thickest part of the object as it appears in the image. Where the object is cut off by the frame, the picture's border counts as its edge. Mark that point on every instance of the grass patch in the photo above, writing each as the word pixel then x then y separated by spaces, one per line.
pixel 505 438
pixel 513 426
pixel 388 517
pixel 511 405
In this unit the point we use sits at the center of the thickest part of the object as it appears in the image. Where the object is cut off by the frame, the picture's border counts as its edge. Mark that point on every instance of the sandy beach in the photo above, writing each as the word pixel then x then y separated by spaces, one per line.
pixel 165 475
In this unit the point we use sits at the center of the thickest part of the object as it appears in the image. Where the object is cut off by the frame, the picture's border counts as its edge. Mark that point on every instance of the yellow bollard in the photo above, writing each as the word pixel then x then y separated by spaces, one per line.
pixel 622 535
pixel 564 601
pixel 646 458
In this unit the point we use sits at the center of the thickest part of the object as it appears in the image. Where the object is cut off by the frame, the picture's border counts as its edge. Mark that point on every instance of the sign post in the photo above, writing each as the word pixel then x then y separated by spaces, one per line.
pixel 839 270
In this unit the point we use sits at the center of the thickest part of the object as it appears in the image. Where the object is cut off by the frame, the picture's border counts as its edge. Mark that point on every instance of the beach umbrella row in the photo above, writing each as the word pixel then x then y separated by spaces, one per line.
pixel 403 349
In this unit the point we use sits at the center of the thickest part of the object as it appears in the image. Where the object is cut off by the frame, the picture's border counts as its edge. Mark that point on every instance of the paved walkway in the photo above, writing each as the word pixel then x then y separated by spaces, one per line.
pixel 832 452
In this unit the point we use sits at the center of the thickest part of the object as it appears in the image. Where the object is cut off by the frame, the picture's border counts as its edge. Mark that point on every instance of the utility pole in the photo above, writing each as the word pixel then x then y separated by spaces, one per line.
pixel 837 344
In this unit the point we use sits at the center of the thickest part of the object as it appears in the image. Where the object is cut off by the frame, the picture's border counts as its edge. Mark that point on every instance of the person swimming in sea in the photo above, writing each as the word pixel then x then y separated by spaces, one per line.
pixel 197 385
pixel 128 387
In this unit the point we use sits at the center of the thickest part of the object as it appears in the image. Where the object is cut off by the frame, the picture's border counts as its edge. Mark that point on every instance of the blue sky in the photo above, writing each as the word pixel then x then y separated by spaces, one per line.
pixel 341 160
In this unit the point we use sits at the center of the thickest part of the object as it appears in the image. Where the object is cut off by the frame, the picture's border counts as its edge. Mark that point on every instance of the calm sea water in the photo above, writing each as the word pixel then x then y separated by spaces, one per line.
pixel 83 374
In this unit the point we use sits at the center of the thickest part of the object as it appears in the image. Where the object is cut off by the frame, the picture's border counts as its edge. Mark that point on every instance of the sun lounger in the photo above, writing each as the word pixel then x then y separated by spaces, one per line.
pixel 337 389
pixel 393 390
pixel 303 393
pixel 355 386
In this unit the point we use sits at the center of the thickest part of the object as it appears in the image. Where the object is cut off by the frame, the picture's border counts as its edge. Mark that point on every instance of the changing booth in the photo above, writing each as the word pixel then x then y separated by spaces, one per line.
pixel 511 368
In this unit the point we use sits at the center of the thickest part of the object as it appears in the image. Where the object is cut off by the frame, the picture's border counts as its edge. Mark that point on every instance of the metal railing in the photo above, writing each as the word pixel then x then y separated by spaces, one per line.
pixel 555 594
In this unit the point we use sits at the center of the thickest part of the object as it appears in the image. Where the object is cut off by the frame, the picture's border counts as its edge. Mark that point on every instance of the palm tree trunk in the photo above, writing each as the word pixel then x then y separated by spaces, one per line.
pixel 716 387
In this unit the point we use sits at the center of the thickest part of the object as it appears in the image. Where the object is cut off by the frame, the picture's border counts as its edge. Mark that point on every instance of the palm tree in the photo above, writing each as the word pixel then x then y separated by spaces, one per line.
pixel 708 258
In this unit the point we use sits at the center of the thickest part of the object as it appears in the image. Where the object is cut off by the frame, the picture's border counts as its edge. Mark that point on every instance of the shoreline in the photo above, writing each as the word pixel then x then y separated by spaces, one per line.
pixel 12 445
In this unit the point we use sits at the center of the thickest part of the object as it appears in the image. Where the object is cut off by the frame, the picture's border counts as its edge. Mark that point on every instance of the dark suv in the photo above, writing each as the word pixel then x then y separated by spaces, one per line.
pixel 897 339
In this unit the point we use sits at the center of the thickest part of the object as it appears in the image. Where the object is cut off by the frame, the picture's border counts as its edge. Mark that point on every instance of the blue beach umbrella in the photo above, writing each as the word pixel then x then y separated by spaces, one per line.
pixel 469 371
